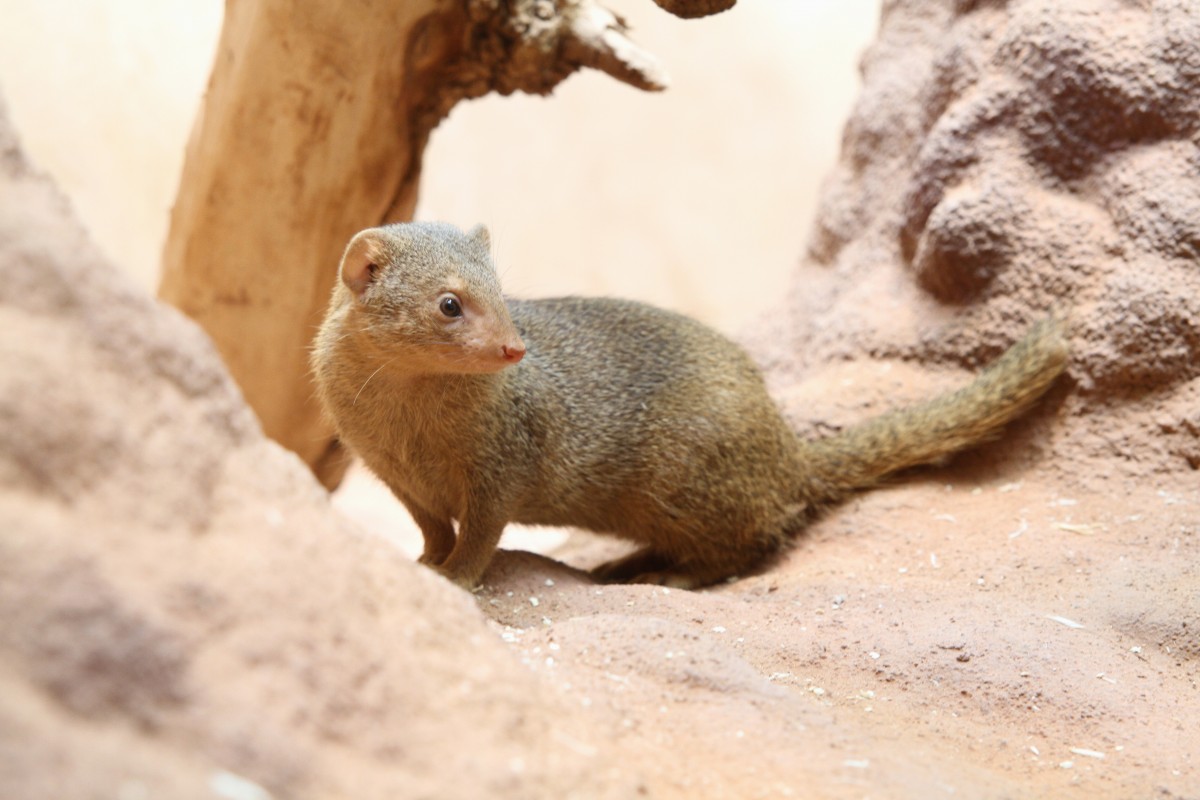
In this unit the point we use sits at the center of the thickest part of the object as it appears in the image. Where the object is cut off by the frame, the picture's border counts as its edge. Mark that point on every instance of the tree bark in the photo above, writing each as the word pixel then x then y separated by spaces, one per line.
pixel 312 128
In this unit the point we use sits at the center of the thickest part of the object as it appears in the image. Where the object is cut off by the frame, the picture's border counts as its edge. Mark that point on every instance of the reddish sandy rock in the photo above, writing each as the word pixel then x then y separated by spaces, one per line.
pixel 1004 161
pixel 183 613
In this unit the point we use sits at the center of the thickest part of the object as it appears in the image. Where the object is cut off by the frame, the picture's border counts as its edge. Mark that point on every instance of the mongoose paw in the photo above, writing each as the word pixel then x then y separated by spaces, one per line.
pixel 432 559
pixel 462 581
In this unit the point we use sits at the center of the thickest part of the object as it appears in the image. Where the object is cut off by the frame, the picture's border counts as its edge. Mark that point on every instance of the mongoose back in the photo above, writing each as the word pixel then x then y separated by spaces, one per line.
pixel 603 414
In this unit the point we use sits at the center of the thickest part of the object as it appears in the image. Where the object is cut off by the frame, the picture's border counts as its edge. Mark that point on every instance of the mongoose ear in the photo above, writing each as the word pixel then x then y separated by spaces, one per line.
pixel 361 261
pixel 479 234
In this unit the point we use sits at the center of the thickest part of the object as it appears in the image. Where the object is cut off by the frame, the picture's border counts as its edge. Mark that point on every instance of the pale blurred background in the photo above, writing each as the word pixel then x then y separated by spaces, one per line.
pixel 698 199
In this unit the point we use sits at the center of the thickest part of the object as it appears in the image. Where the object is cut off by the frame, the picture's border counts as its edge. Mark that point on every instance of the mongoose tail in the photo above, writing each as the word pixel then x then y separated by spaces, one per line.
pixel 862 455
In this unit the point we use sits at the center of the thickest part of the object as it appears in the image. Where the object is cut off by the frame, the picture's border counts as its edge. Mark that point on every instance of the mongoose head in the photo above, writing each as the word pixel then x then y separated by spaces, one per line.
pixel 428 298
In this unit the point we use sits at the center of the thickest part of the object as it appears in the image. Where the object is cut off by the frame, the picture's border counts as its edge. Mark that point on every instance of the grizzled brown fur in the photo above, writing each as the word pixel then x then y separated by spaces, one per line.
pixel 603 414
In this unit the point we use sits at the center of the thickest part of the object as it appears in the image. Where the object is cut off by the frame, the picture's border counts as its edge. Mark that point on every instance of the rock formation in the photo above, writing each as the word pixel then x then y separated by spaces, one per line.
pixel 1006 160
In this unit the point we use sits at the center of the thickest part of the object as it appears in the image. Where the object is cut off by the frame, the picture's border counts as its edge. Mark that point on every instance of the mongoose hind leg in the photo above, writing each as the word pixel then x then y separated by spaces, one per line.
pixel 687 576
pixel 626 569
pixel 649 565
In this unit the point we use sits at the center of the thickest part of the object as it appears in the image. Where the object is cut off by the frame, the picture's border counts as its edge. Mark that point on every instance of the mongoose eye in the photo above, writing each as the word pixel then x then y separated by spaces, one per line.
pixel 450 307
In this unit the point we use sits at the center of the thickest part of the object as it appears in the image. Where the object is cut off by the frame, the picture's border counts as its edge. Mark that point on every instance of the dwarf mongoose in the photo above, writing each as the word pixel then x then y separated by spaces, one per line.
pixel 603 414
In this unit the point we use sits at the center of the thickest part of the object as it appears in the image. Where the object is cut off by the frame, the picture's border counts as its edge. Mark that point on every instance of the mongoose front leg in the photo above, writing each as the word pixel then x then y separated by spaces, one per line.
pixel 478 534
pixel 438 534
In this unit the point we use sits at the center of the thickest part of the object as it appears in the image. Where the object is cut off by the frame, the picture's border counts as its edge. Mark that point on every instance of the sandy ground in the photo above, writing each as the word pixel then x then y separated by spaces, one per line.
pixel 981 638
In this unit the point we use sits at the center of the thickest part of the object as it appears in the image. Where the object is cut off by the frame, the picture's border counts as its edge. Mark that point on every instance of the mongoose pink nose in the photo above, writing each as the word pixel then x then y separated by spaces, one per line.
pixel 513 352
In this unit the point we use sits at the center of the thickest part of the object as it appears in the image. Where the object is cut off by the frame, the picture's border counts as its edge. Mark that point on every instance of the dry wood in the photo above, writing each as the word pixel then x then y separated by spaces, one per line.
pixel 313 128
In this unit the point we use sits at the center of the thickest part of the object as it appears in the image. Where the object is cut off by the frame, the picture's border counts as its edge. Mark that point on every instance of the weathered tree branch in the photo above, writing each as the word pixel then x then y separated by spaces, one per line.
pixel 313 127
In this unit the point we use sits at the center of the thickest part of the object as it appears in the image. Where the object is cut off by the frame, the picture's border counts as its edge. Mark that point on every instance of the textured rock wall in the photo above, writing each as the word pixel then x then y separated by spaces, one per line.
pixel 180 609
pixel 1005 160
